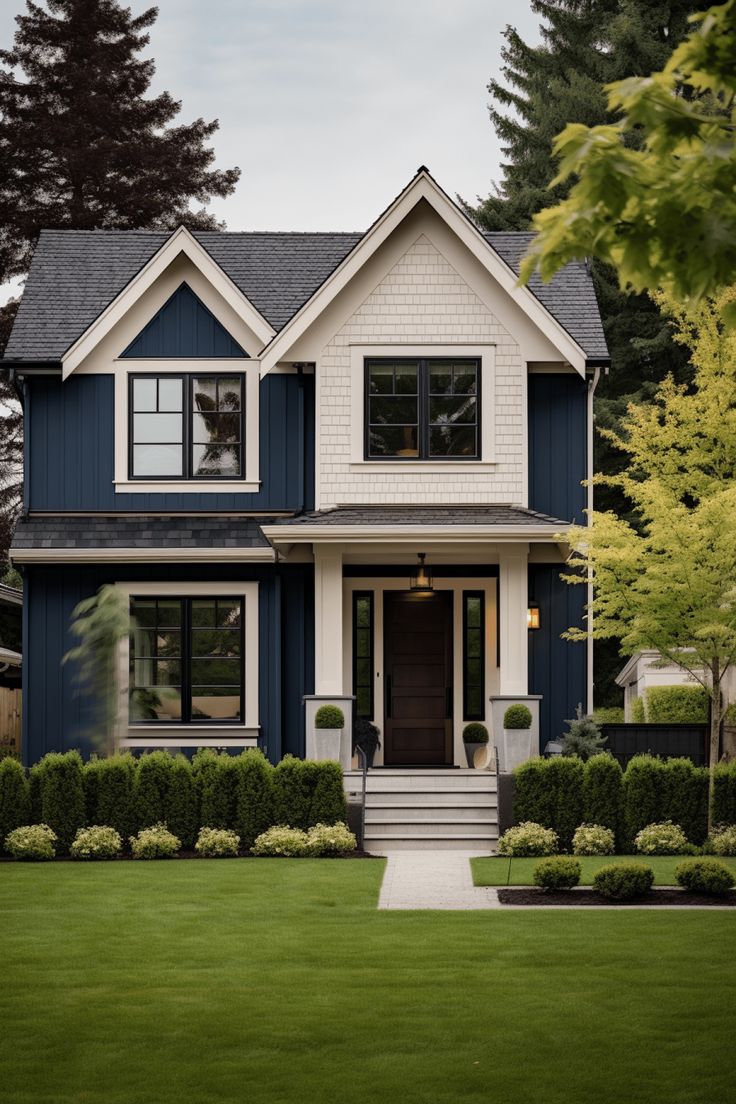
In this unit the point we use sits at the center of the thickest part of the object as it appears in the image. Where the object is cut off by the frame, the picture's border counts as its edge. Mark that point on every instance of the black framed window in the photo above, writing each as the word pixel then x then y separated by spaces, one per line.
pixel 186 660
pixel 189 426
pixel 474 655
pixel 422 409
pixel 363 653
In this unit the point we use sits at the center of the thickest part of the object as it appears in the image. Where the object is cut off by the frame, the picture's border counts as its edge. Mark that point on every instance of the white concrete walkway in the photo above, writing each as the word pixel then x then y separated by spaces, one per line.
pixel 433 880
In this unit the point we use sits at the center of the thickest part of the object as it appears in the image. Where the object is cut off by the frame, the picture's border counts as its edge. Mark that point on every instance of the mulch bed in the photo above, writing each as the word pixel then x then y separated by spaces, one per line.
pixel 526 895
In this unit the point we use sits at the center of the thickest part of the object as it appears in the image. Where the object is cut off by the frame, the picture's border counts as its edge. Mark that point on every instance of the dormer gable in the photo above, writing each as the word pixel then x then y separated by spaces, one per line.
pixel 184 327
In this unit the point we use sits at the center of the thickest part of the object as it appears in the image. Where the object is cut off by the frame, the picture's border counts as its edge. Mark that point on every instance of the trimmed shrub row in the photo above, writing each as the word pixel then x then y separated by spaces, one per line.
pixel 563 793
pixel 243 794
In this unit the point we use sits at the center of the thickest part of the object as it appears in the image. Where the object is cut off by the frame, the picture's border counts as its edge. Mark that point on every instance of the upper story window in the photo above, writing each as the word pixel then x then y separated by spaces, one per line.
pixel 188 426
pixel 422 409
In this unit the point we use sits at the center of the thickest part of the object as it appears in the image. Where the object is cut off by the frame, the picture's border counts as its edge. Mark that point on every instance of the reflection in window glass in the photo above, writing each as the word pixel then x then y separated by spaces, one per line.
pixel 363 659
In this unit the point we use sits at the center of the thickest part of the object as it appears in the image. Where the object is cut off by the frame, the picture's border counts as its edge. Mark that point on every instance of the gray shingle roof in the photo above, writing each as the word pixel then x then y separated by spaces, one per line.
pixel 75 274
pixel 423 515
pixel 136 531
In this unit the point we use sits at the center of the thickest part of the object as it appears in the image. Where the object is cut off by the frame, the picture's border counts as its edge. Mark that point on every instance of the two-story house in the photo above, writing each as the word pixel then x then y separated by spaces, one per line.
pixel 260 437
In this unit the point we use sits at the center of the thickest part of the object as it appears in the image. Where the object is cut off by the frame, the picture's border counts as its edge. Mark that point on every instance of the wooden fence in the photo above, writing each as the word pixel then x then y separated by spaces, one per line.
pixel 686 741
pixel 10 717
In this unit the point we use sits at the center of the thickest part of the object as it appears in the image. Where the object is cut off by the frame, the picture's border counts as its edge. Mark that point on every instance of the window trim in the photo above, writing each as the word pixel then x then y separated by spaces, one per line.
pixel 481 595
pixel 370 595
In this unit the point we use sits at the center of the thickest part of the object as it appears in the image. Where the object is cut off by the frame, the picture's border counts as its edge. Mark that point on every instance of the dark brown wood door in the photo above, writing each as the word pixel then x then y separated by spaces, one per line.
pixel 418 677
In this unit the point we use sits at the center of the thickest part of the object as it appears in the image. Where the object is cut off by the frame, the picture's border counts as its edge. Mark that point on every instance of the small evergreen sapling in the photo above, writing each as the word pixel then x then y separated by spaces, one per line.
pixel 584 738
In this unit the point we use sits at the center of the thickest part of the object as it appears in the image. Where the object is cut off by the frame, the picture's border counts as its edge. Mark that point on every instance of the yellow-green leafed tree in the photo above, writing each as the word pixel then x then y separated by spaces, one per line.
pixel 667 578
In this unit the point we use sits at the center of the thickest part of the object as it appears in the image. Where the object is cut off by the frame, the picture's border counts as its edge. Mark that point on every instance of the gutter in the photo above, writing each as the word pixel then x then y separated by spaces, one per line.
pixel 35 367
pixel 592 385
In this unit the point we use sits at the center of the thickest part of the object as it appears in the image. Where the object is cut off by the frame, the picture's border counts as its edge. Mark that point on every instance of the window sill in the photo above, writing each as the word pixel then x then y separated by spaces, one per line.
pixel 187 486
pixel 432 467
pixel 190 736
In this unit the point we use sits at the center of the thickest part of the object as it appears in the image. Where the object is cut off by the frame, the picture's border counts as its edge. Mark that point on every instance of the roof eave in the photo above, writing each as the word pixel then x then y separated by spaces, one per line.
pixel 408 534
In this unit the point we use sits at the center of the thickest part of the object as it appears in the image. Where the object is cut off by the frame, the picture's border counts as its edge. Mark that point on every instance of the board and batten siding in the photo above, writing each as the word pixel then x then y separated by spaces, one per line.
pixel 557 667
pixel 184 327
pixel 70 432
pixel 58 715
pixel 557 445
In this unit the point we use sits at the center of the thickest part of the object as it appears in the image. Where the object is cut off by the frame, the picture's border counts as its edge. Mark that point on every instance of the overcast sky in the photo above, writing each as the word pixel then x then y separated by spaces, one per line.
pixel 329 106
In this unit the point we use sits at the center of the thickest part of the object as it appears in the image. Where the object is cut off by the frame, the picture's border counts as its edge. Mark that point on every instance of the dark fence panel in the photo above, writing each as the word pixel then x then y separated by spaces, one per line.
pixel 687 741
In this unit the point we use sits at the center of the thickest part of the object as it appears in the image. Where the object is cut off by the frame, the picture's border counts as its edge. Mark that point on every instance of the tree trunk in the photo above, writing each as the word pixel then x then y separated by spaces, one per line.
pixel 715 736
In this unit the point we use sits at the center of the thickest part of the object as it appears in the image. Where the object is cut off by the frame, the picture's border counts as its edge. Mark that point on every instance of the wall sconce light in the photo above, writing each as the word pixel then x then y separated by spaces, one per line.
pixel 532 616
pixel 421 579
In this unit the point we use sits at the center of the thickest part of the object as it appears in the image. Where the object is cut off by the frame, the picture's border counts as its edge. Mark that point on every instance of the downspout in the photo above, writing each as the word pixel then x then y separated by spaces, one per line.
pixel 301 442
pixel 592 384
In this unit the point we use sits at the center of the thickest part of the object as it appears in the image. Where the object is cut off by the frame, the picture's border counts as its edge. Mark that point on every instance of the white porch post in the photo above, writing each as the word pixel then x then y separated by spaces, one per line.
pixel 514 635
pixel 328 628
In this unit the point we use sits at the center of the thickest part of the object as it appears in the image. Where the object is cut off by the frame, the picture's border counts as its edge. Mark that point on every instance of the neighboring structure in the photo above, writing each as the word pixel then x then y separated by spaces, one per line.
pixel 646 669
pixel 255 435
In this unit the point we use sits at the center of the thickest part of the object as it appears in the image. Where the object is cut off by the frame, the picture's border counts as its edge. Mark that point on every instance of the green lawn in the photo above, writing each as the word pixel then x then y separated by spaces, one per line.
pixel 278 982
pixel 495 871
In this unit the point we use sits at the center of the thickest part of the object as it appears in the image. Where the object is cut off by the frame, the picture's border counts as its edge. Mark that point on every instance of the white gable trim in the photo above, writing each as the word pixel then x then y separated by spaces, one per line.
pixel 423 187
pixel 180 242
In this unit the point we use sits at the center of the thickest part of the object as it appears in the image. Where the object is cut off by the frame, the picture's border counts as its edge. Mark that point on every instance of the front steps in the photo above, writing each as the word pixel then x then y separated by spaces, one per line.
pixel 427 809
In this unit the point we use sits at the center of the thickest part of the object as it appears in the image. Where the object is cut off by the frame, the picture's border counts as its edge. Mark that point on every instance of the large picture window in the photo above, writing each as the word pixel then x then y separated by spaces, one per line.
pixel 422 409
pixel 187 426
pixel 186 660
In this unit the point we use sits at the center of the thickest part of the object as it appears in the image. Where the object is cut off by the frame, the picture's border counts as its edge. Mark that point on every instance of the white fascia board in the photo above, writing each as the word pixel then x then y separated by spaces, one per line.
pixel 181 241
pixel 405 534
pixel 423 187
pixel 142 555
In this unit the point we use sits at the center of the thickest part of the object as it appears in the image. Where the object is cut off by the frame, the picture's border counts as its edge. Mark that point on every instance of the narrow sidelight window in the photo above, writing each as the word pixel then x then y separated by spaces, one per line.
pixel 422 409
pixel 363 656
pixel 473 655
pixel 186 660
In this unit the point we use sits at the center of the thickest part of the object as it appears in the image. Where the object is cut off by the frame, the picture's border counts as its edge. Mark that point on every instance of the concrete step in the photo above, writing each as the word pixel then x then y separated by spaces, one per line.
pixel 429 814
pixel 385 845
pixel 466 829
pixel 430 785
pixel 432 800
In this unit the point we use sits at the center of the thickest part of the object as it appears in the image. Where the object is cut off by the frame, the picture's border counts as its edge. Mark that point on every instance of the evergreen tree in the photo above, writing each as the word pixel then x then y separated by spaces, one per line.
pixel 81 145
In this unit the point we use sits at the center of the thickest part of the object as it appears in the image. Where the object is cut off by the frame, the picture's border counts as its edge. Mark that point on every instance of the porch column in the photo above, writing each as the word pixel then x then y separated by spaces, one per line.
pixel 513 564
pixel 328 628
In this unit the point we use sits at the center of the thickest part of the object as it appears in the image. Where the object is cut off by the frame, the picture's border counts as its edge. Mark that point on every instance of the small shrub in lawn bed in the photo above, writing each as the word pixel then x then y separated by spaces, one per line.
pixel 722 839
pixel 154 842
pixel 254 796
pixel 282 841
pixel 61 800
pixel 661 839
pixel 330 840
pixel 109 786
pixel 99 841
pixel 707 876
pixel 624 881
pixel 215 782
pixel 602 791
pixel 15 797
pixel 559 872
pixel 517 716
pixel 724 793
pixel 528 839
pixel 216 843
pixel 32 842
pixel 329 716
pixel 593 839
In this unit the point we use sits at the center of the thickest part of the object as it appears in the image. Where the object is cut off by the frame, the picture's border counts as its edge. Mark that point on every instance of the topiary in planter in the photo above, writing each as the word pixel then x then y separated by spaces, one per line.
pixel 559 872
pixel 517 716
pixel 624 881
pixel 707 876
pixel 329 716
pixel 475 737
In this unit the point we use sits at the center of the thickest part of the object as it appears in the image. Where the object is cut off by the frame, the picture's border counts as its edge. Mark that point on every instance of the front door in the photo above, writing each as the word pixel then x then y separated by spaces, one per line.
pixel 418 678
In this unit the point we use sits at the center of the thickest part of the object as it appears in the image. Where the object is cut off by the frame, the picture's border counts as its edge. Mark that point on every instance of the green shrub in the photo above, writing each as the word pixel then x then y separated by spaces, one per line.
pixel 308 793
pixel 61 795
pixel 528 840
pixel 593 839
pixel 661 839
pixel 565 777
pixel 602 792
pixel 644 790
pixel 723 839
pixel 282 841
pixel 31 842
pixel 164 792
pixel 707 876
pixel 638 715
pixel 215 780
pixel 328 804
pixel 99 841
pixel 181 804
pixel 475 733
pixel 611 714
pixel 534 799
pixel 329 716
pixel 624 881
pixel 254 796
pixel 559 872
pixel 686 797
pixel 154 842
pixel 724 793
pixel 517 716
pixel 676 705
pixel 584 738
pixel 329 840
pixel 110 793
pixel 217 843
pixel 15 797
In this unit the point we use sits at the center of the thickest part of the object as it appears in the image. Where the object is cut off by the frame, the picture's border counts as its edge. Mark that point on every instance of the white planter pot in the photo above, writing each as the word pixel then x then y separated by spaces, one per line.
pixel 327 743
pixel 516 749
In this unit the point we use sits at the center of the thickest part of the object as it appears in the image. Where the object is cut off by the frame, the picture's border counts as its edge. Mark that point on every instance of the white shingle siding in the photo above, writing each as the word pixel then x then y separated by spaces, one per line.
pixel 421 301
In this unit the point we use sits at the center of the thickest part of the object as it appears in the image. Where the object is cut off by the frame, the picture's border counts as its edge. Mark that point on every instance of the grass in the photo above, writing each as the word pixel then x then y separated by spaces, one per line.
pixel 278 981
pixel 495 871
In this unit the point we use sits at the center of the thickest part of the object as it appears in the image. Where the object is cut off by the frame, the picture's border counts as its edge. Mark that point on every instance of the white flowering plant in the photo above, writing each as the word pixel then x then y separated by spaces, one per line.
pixel 156 842
pixel 217 843
pixel 593 839
pixel 99 841
pixel 330 839
pixel 722 839
pixel 282 841
pixel 664 838
pixel 528 839
pixel 32 843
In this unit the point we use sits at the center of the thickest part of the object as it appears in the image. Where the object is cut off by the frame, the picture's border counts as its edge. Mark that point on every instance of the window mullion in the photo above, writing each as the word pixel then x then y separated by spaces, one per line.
pixel 423 409
pixel 186 661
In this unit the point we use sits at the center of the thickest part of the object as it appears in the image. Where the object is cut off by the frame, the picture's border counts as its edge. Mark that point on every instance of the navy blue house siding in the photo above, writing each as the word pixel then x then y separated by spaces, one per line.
pixel 58 715
pixel 184 327
pixel 70 433
pixel 557 667
pixel 557 445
